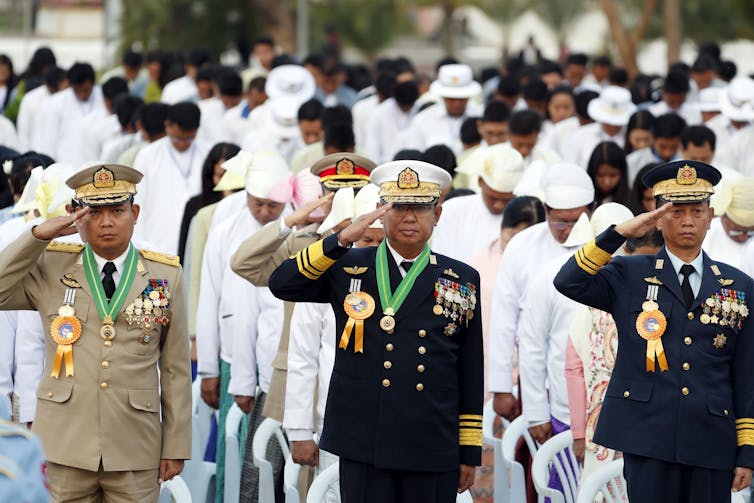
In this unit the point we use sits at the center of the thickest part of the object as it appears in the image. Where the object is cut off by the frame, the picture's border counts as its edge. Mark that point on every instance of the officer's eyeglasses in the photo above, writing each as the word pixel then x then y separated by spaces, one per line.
pixel 418 209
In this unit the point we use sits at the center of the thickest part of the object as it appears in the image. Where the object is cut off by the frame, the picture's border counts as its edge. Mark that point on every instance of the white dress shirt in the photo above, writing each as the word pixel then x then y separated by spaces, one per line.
pixel 695 278
pixel 433 126
pixel 722 248
pixel 579 147
pixel 388 124
pixel 465 227
pixel 26 123
pixel 30 360
pixel 689 112
pixel 180 89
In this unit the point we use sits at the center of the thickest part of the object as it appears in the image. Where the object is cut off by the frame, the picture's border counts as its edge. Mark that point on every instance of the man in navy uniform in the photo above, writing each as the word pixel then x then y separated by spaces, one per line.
pixel 680 403
pixel 404 409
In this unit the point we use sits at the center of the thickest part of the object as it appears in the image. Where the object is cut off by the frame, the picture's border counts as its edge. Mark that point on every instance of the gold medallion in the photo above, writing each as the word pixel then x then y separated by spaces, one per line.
pixel 107 332
pixel 437 309
pixel 154 295
pixel 66 311
pixel 470 314
pixel 704 318
pixel 359 305
pixel 387 323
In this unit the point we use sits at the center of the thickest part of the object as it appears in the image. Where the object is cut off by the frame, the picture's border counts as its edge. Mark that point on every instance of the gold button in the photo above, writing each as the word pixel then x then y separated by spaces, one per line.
pixel 420 387
pixel 420 368
pixel 422 350
pixel 684 391
pixel 386 382
pixel 687 341
pixel 422 333
pixel 108 344
pixel 49 394
pixel 148 404
pixel 106 364
pixel 103 385
pixel 686 366
pixel 690 315
pixel 387 364
pixel 389 347
pixel 725 412
pixel 626 394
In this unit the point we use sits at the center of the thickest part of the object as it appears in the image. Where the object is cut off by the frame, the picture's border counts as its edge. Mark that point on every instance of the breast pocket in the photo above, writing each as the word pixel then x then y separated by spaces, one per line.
pixel 141 340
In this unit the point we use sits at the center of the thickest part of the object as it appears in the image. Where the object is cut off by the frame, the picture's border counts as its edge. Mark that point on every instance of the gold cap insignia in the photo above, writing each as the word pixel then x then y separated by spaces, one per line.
pixel 408 179
pixel 344 167
pixel 686 175
pixel 103 178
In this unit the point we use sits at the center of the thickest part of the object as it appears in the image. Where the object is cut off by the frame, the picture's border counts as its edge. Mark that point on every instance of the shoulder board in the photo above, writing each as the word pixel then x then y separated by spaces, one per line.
pixel 162 258
pixel 57 246
pixel 8 429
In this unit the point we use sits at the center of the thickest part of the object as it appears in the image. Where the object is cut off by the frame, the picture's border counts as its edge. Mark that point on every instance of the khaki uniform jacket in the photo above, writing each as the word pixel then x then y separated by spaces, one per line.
pixel 255 260
pixel 110 410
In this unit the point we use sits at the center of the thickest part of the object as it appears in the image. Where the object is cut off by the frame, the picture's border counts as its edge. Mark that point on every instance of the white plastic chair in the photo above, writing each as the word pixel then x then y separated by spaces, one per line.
pixel 232 453
pixel 514 471
pixel 465 497
pixel 741 496
pixel 290 480
pixel 175 490
pixel 262 437
pixel 322 483
pixel 606 480
pixel 198 474
pixel 557 453
pixel 501 485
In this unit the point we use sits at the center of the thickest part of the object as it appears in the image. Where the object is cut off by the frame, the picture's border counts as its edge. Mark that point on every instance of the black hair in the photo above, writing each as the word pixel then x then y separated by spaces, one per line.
pixel 132 59
pixel 313 60
pixel 608 152
pixel 340 137
pixel 221 151
pixel 385 84
pixel 641 119
pixel 153 56
pixel 442 156
pixel 258 84
pixel 535 89
pixel 618 76
pixel 638 188
pixel 641 89
pixel 22 166
pixel 229 82
pixel 53 77
pixel 524 122
pixel 652 238
pixel 127 109
pixel 263 40
pixel 676 81
pixel 698 136
pixel 12 78
pixel 42 59
pixel 185 115
pixel 547 66
pixel 406 93
pixel 152 117
pixel 602 61
pixel 469 132
pixel 578 58
pixel 669 125
pixel 114 87
pixel 581 100
pixel 310 110
pixel 206 73
pixel 562 89
pixel 711 49
pixel 496 111
pixel 337 115
pixel 727 70
pixel 447 60
pixel 523 209
pixel 508 87
pixel 408 154
pixel 704 63
pixel 80 73
pixel 458 193
pixel 402 64
pixel 198 57
pixel 679 67
pixel 282 59
pixel 488 73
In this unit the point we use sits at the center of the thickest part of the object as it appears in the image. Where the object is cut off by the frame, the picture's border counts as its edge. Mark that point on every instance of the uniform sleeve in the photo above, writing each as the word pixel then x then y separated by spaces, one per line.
pixel 259 255
pixel 471 384
pixel 175 379
pixel 743 388
pixel 243 370
pixel 296 279
pixel 207 313
pixel 22 278
pixel 586 277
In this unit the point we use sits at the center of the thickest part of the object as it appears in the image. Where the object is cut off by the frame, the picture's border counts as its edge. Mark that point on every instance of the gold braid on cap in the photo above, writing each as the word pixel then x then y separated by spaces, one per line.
pixel 686 186
pixel 409 189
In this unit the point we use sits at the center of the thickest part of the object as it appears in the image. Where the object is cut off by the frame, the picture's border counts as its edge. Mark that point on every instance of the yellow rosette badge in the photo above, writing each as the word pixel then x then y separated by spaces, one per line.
pixel 651 324
pixel 358 306
pixel 65 330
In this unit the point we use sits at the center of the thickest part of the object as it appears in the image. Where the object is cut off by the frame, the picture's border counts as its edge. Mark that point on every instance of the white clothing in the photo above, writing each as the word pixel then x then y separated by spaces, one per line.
pixel 559 135
pixel 98 132
pixel 228 207
pixel 66 119
pixel 235 124
pixel 740 152
pixel 8 136
pixel 258 140
pixel 7 356
pixel 211 125
pixel 579 146
pixel 637 160
pixel 689 112
pixel 544 327
pixel 465 227
pixel 311 356
pixel 363 113
pixel 118 145
pixel 724 131
pixel 180 89
pixel 30 361
pixel 721 248
pixel 386 129
pixel 522 257
pixel 433 126
pixel 26 122
pixel 171 178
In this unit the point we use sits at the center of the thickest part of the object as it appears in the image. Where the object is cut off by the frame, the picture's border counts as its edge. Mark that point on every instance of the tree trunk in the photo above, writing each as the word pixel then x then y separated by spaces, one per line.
pixel 673 27
pixel 277 19
pixel 628 43
pixel 448 42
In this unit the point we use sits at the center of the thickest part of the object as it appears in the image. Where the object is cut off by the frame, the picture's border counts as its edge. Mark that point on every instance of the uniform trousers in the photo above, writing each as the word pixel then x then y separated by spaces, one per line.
pixel 75 485
pixel 652 480
pixel 364 483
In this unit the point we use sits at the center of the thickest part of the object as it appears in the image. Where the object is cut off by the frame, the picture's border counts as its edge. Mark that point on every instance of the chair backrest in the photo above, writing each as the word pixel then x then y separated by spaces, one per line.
pixel 267 429
pixel 290 480
pixel 514 471
pixel 232 453
pixel 175 490
pixel 323 482
pixel 740 496
pixel 606 480
pixel 197 473
pixel 465 497
pixel 557 453
pixel 501 485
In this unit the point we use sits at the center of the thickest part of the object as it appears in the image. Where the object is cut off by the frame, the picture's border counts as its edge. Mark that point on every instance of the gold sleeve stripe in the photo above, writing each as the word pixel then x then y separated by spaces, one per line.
pixel 317 257
pixel 582 262
pixel 470 417
pixel 470 424
pixel 473 439
pixel 303 270
pixel 745 438
pixel 308 261
pixel 745 420
pixel 591 257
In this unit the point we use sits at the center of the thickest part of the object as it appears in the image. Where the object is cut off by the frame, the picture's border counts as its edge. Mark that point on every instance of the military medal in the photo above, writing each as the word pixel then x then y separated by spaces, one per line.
pixel 719 341
pixel 387 323
pixel 651 324
pixel 358 306
pixel 107 331
pixel 454 300
pixel 389 300
pixel 65 329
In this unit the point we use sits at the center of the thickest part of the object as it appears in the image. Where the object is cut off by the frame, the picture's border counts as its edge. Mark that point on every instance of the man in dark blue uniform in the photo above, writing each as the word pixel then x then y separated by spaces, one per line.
pixel 404 409
pixel 680 403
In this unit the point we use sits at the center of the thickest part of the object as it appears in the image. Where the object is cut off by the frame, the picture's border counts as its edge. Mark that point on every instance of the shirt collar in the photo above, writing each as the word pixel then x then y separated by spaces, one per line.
pixel 397 256
pixel 697 263
pixel 119 261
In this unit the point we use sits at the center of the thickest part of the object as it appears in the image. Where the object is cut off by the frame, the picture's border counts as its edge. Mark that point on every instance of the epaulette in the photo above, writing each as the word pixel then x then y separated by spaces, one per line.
pixel 162 258
pixel 58 246
pixel 8 429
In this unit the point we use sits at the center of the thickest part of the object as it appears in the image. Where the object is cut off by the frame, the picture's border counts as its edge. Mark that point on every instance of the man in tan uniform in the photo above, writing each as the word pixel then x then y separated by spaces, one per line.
pixel 111 427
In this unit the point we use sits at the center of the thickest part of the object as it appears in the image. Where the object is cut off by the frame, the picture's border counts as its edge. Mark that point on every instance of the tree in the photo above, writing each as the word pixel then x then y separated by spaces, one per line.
pixel 559 14
pixel 628 43
pixel 673 28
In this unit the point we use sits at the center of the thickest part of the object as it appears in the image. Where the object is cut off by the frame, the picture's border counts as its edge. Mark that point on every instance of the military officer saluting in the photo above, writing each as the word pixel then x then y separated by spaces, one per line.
pixel 111 427
pixel 404 408
pixel 680 403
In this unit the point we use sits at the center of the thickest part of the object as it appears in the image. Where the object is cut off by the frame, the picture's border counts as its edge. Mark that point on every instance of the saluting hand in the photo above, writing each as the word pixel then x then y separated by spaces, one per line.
pixel 302 215
pixel 356 230
pixel 641 224
pixel 59 226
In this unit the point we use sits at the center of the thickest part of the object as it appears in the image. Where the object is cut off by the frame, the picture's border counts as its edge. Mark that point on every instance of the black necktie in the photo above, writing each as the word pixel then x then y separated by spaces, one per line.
pixel 108 283
pixel 688 293
pixel 406 265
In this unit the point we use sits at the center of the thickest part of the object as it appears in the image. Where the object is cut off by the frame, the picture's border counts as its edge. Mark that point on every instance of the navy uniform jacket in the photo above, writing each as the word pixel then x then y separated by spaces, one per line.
pixel 412 400
pixel 700 412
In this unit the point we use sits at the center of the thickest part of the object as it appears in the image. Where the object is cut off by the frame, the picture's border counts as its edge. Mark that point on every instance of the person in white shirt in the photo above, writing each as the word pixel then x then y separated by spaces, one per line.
pixel 363 110
pixel 441 123
pixel 737 104
pixel 666 142
pixel 611 111
pixel 675 90
pixel 236 119
pixel 559 106
pixel 569 192
pixel 103 129
pixel 284 80
pixel 174 168
pixel 560 134
pixel 127 110
pixel 226 95
pixel 281 132
pixel 389 122
pixel 184 88
pixel 729 238
pixel 471 223
pixel 27 123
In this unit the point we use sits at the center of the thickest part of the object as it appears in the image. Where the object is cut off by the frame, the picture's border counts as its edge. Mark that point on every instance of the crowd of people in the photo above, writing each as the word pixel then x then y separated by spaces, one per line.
pixel 234 170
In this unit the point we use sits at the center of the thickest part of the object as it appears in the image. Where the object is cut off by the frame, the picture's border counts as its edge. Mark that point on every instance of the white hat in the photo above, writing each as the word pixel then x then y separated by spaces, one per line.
pixel 709 99
pixel 235 168
pixel 283 121
pixel 567 186
pixel 737 101
pixel 347 205
pixel 581 232
pixel 290 80
pixel 613 106
pixel 267 170
pixel 736 200
pixel 28 199
pixel 500 166
pixel 54 176
pixel 603 217
pixel 410 182
pixel 455 81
